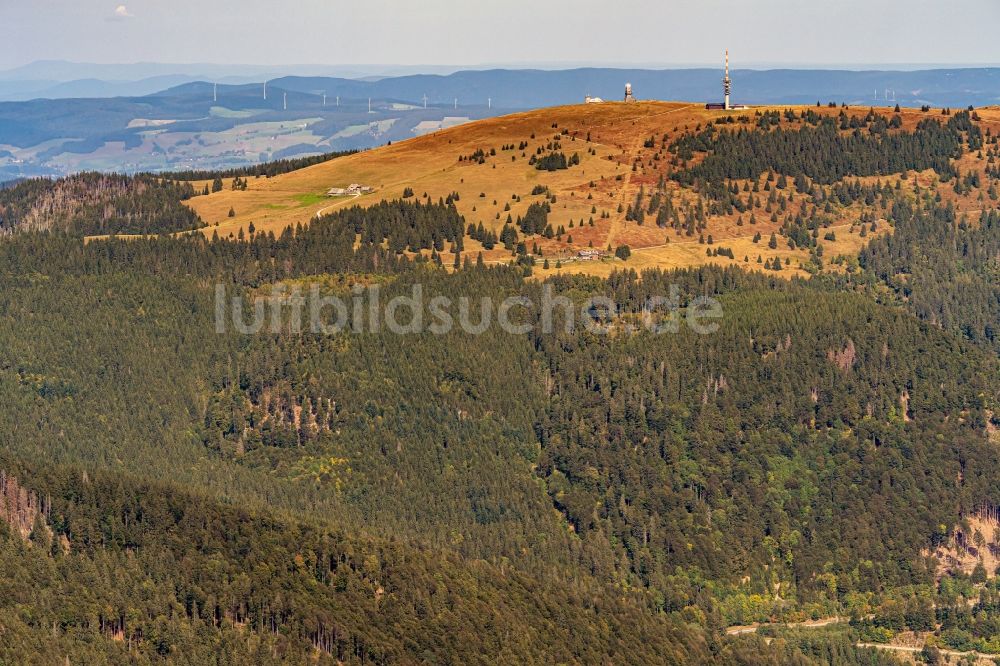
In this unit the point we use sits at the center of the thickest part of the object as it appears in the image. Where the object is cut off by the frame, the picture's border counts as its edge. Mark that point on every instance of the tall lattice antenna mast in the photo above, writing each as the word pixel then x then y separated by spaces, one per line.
pixel 727 83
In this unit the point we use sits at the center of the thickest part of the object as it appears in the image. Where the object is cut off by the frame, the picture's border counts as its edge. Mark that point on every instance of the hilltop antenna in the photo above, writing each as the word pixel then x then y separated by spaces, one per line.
pixel 425 100
pixel 727 83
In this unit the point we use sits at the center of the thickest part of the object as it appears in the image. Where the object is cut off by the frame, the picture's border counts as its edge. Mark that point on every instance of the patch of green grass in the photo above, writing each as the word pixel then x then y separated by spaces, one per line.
pixel 309 199
pixel 223 112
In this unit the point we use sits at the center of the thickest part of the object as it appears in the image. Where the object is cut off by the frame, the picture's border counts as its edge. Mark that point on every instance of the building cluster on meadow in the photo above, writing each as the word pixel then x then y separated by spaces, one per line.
pixel 352 190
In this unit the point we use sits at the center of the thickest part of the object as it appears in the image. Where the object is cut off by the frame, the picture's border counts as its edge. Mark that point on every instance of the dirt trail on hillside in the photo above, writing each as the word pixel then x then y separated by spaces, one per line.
pixel 917 650
pixel 619 220
pixel 808 624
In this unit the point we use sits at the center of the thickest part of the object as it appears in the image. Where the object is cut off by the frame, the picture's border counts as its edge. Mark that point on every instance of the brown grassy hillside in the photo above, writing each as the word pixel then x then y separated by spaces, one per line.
pixel 614 165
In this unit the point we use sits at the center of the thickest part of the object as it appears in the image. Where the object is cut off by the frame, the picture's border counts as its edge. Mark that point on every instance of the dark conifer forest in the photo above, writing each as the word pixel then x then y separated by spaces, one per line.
pixel 264 169
pixel 822 152
pixel 93 204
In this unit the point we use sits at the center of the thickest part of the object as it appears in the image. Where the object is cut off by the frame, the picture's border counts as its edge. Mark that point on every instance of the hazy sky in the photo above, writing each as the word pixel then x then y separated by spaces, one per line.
pixel 471 32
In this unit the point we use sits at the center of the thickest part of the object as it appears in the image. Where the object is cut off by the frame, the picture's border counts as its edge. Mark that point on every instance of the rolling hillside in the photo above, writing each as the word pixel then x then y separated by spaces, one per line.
pixel 174 489
pixel 79 125
pixel 624 151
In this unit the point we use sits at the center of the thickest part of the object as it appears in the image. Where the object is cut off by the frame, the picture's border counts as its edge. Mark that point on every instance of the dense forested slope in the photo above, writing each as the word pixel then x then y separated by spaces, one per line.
pixel 945 267
pixel 93 204
pixel 792 447
pixel 821 152
pixel 142 404
pixel 114 570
